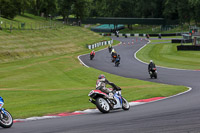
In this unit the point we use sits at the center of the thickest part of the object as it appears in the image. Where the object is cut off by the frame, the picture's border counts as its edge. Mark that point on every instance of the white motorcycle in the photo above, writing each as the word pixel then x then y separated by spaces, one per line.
pixel 104 104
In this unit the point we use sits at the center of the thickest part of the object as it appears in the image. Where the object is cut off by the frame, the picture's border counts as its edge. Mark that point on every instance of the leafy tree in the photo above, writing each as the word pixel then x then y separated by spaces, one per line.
pixel 81 8
pixel 195 4
pixel 184 11
pixel 65 8
pixel 36 6
pixel 21 5
pixel 107 8
pixel 8 9
pixel 147 8
pixel 170 9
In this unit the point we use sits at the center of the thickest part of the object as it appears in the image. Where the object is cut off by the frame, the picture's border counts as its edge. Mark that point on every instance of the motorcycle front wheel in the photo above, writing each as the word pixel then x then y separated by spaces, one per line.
pixel 125 104
pixel 102 105
pixel 6 120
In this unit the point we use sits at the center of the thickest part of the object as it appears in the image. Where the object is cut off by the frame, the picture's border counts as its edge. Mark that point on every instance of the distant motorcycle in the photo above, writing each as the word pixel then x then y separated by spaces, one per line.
pixel 114 58
pixel 104 104
pixel 110 49
pixel 91 56
pixel 6 120
pixel 117 62
pixel 153 73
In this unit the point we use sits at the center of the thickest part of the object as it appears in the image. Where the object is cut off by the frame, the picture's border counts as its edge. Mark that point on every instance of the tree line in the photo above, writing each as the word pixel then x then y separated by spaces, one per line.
pixel 183 10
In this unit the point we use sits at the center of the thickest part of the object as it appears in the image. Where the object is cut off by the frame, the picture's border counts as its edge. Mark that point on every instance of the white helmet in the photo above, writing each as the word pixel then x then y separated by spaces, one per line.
pixel 151 60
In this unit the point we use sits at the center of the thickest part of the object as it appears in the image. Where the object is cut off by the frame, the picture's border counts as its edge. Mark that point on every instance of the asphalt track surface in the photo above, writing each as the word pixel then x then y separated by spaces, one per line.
pixel 180 114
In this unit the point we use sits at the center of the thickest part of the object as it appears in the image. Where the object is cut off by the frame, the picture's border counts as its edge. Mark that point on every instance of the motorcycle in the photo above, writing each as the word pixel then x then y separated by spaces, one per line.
pixel 104 104
pixel 6 120
pixel 110 49
pixel 153 73
pixel 114 58
pixel 117 62
pixel 91 56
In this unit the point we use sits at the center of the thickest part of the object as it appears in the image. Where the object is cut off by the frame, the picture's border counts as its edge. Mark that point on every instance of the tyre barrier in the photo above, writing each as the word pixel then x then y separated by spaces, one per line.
pixel 188 47
pixel 181 40
pixel 93 46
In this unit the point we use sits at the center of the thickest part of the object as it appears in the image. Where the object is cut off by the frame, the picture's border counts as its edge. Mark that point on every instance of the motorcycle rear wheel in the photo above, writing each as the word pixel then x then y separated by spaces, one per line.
pixel 125 104
pixel 6 121
pixel 155 75
pixel 102 105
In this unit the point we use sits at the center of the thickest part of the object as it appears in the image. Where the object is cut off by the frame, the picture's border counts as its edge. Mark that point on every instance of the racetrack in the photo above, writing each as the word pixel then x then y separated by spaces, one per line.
pixel 179 114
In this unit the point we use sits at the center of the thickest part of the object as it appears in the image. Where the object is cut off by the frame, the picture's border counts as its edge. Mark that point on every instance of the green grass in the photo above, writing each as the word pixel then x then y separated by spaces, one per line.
pixel 30 21
pixel 166 54
pixel 40 73
pixel 157 41
pixel 38 43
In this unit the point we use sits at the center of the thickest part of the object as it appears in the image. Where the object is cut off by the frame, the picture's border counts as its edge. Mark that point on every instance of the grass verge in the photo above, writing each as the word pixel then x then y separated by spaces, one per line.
pixel 166 54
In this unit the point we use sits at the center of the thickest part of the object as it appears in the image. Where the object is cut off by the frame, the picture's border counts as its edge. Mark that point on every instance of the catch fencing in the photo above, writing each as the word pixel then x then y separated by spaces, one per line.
pixel 6 25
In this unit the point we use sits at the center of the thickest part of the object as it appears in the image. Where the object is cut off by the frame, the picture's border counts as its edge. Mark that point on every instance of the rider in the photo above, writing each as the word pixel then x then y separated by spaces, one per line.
pixel 101 85
pixel 114 55
pixel 117 59
pixel 112 52
pixel 110 48
pixel 151 66
pixel 92 53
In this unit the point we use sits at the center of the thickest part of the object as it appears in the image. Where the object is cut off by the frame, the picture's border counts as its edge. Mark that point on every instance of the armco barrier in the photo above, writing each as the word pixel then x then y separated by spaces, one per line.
pixel 143 35
pixel 92 46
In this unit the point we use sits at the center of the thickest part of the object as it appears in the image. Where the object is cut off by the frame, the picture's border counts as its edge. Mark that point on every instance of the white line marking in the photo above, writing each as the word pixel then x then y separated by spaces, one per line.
pixel 82 61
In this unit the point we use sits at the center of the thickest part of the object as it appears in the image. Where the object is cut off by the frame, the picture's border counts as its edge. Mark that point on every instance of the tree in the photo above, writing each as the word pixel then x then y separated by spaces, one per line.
pixel 36 6
pixel 107 8
pixel 65 8
pixel 170 9
pixel 195 4
pixel 184 11
pixel 81 8
pixel 21 5
pixel 8 9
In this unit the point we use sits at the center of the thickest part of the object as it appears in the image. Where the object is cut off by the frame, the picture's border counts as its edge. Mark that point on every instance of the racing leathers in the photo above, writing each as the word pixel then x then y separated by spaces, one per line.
pixel 101 85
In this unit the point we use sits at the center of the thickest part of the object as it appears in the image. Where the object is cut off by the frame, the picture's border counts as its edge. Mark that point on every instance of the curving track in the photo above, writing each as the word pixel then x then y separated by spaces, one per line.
pixel 179 114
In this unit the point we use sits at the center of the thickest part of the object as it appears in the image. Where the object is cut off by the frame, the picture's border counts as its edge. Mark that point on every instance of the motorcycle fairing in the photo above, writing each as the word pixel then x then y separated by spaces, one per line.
pixel 3 111
pixel 118 98
pixel 97 92
pixel 1 104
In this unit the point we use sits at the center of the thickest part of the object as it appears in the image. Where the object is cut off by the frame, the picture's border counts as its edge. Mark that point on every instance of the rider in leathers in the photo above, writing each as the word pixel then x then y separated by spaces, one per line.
pixel 101 85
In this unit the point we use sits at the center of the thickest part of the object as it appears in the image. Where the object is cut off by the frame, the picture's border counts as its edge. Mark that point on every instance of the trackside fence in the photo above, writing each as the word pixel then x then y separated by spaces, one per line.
pixel 6 25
